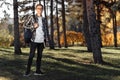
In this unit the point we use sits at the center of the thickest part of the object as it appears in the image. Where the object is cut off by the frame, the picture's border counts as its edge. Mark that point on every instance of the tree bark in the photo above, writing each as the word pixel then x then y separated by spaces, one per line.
pixel 99 21
pixel 115 29
pixel 52 29
pixel 48 37
pixel 86 28
pixel 39 1
pixel 34 8
pixel 16 29
pixel 96 48
pixel 63 24
pixel 58 27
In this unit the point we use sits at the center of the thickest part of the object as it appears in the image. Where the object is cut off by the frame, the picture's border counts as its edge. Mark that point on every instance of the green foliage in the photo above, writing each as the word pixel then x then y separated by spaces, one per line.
pixel 5 38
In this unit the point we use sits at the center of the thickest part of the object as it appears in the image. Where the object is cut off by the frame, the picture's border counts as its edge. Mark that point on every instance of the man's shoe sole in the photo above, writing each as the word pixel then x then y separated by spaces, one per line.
pixel 26 75
pixel 36 74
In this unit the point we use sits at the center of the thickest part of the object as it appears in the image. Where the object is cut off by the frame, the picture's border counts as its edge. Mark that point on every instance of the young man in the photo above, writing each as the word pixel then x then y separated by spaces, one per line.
pixel 37 24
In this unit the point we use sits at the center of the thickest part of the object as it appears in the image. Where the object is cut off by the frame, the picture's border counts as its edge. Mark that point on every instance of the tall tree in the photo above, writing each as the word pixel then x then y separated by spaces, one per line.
pixel 48 37
pixel 33 7
pixel 96 48
pixel 58 27
pixel 114 28
pixel 16 29
pixel 64 23
pixel 86 28
pixel 99 20
pixel 39 1
pixel 52 28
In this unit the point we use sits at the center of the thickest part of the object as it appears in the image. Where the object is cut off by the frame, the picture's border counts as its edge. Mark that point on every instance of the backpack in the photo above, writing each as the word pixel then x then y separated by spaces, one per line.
pixel 27 35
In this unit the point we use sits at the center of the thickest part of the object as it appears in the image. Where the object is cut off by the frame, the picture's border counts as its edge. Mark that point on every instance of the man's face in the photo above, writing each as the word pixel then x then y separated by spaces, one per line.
pixel 39 9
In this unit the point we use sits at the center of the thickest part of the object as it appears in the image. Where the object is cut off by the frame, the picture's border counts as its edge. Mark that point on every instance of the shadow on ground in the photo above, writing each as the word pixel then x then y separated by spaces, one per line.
pixel 13 67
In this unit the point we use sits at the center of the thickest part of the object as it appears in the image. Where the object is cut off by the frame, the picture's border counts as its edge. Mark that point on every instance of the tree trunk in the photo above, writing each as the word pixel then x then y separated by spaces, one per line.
pixel 99 21
pixel 63 24
pixel 58 27
pixel 46 23
pixel 39 1
pixel 86 28
pixel 115 29
pixel 34 8
pixel 96 48
pixel 52 29
pixel 16 29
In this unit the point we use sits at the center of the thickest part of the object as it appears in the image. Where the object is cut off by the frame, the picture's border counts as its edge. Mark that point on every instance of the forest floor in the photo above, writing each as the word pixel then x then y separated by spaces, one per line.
pixel 73 63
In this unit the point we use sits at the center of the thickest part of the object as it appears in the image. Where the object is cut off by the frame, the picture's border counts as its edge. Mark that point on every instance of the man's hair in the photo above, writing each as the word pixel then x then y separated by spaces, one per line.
pixel 39 5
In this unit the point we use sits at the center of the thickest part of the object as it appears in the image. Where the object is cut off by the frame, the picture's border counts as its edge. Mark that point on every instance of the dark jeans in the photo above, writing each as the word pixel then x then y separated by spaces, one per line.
pixel 33 47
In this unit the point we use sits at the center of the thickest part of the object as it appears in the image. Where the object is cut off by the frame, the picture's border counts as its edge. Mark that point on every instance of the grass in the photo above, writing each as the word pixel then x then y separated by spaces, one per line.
pixel 73 63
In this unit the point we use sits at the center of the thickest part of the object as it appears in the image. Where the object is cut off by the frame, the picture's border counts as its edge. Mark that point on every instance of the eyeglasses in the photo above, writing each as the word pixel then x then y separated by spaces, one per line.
pixel 39 8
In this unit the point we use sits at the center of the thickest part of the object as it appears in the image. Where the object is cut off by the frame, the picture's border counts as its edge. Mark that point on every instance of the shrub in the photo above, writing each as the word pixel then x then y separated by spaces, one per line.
pixel 5 38
pixel 72 38
pixel 108 39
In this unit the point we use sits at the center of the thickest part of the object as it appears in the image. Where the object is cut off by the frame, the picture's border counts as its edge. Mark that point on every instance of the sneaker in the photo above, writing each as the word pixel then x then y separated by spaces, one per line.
pixel 26 74
pixel 38 73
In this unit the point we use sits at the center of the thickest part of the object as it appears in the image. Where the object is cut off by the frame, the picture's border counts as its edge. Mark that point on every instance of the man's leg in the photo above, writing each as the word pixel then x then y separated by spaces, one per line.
pixel 31 55
pixel 40 48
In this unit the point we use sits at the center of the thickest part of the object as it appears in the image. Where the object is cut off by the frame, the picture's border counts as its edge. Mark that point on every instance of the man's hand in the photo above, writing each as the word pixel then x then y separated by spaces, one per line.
pixel 36 25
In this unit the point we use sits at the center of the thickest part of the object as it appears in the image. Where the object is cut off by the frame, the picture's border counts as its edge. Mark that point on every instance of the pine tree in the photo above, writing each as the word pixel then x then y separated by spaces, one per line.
pixel 64 24
pixel 96 48
pixel 86 28
pixel 52 27
pixel 16 29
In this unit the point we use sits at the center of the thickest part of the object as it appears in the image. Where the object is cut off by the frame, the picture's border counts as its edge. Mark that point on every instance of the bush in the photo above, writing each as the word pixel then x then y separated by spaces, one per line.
pixel 5 38
pixel 73 38
pixel 108 39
